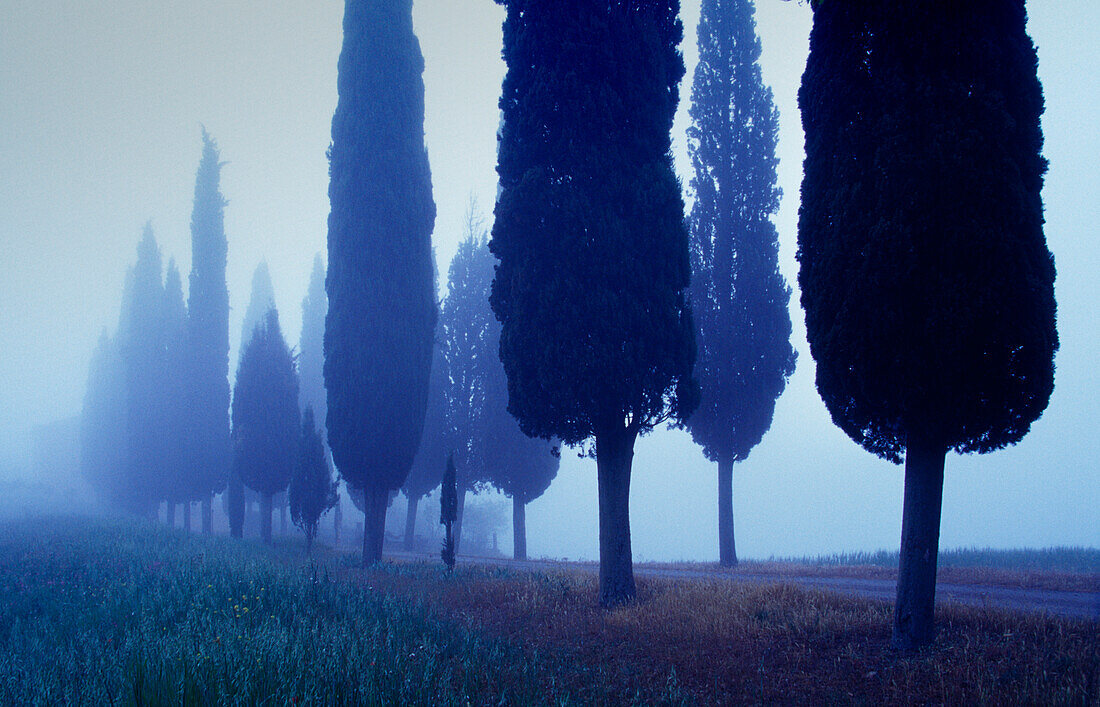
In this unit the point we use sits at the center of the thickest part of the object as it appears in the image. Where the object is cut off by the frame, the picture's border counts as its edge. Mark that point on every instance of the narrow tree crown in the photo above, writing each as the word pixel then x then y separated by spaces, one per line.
pixel 925 276
pixel 382 309
pixel 312 489
pixel 738 296
pixel 589 228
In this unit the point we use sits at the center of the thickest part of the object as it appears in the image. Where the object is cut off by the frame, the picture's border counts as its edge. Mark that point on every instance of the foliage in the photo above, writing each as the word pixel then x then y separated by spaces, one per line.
pixel 265 410
pixel 382 311
pixel 261 300
pixel 738 296
pixel 589 227
pixel 431 454
pixel 312 489
pixel 311 344
pixel 103 423
pixel 175 431
pixel 924 272
pixel 207 397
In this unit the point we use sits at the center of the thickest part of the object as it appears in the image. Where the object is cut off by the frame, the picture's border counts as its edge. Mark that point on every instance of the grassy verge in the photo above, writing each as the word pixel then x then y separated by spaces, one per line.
pixel 115 612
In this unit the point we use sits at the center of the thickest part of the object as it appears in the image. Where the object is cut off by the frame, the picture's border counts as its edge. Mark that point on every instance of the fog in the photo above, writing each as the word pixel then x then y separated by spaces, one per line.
pixel 100 112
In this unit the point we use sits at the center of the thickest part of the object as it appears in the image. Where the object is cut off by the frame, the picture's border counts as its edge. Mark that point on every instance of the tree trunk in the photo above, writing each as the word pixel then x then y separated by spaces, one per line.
pixel 265 518
pixel 187 516
pixel 920 540
pixel 309 541
pixel 727 550
pixel 410 523
pixel 614 455
pixel 170 514
pixel 519 528
pixel 376 499
pixel 460 510
pixel 208 515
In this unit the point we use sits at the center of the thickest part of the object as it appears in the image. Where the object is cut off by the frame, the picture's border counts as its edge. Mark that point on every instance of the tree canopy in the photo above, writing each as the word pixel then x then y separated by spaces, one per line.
pixel 312 489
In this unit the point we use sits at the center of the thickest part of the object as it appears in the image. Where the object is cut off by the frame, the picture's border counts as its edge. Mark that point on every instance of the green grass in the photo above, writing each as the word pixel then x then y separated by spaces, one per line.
pixel 110 612
pixel 1054 559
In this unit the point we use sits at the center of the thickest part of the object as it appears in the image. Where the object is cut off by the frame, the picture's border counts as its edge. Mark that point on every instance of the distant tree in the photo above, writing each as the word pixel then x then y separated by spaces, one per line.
pixel 738 296
pixel 144 363
pixel 925 275
pixel 177 411
pixel 311 345
pixel 265 416
pixel 208 453
pixel 382 311
pixel 431 455
pixel 469 347
pixel 448 512
pixel 597 336
pixel 103 424
pixel 312 489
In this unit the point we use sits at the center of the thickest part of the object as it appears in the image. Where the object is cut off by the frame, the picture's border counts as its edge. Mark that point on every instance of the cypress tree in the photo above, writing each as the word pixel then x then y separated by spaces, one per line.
pixel 265 416
pixel 103 423
pixel 176 424
pixel 925 275
pixel 448 512
pixel 597 339
pixel 311 344
pixel 208 335
pixel 382 310
pixel 738 296
pixel 312 489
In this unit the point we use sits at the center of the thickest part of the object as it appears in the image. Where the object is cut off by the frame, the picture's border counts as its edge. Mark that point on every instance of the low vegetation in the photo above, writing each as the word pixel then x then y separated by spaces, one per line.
pixel 116 611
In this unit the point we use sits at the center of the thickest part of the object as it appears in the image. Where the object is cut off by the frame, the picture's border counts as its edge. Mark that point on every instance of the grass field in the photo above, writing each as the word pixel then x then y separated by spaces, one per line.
pixel 109 612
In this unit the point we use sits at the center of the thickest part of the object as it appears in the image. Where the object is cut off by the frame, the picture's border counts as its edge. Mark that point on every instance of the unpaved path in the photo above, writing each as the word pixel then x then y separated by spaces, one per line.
pixel 1058 603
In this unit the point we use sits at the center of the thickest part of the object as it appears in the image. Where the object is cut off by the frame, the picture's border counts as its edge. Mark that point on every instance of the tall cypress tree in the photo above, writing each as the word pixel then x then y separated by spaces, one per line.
pixel 208 334
pixel 265 416
pixel 311 344
pixel 144 364
pixel 738 296
pixel 597 338
pixel 925 275
pixel 176 422
pixel 103 424
pixel 382 310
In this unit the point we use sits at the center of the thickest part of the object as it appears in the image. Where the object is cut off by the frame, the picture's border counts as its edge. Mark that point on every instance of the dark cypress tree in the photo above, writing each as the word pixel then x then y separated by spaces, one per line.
pixel 597 338
pixel 312 489
pixel 144 363
pixel 471 359
pixel 738 296
pixel 382 310
pixel 925 275
pixel 208 452
pixel 265 416
pixel 174 432
pixel 448 512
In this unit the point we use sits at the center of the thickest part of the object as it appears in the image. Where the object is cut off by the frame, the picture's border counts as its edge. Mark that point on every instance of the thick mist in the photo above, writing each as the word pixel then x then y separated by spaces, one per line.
pixel 102 110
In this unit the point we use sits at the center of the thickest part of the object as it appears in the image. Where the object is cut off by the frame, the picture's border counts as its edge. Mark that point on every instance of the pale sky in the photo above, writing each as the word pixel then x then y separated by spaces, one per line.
pixel 100 111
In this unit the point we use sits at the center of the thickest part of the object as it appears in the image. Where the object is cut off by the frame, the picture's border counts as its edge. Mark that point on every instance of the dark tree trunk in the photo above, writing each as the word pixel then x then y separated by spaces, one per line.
pixel 376 499
pixel 170 514
pixel 187 516
pixel 460 510
pixel 519 528
pixel 208 515
pixel 410 523
pixel 727 550
pixel 920 540
pixel 265 517
pixel 309 541
pixel 614 456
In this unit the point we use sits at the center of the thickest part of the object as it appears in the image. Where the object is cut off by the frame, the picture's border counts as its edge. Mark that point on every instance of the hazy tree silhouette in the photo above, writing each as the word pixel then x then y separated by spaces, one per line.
pixel 925 276
pixel 265 416
pixel 208 451
pixel 312 489
pixel 738 296
pixel 174 434
pixel 597 339
pixel 382 310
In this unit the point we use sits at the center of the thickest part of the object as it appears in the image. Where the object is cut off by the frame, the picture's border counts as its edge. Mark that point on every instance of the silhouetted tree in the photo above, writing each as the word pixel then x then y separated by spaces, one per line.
pixel 174 433
pixel 144 363
pixel 925 275
pixel 469 346
pixel 265 416
pixel 738 296
pixel 312 489
pixel 382 311
pixel 448 512
pixel 597 337
pixel 103 424
pixel 311 344
pixel 208 452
